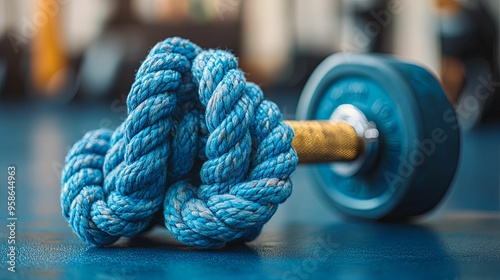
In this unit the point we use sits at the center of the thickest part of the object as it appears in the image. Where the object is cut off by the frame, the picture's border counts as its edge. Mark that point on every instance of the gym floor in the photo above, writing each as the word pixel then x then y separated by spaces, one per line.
pixel 306 239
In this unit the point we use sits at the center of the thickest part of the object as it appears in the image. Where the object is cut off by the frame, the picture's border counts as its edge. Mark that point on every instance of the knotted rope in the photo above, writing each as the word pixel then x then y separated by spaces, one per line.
pixel 199 143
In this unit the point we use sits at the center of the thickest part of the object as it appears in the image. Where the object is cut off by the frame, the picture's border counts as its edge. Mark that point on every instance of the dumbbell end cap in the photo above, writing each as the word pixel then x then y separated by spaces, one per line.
pixel 368 136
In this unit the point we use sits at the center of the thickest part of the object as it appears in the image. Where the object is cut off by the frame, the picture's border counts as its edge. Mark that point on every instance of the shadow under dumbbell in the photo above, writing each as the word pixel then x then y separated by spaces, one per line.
pixel 159 238
pixel 365 251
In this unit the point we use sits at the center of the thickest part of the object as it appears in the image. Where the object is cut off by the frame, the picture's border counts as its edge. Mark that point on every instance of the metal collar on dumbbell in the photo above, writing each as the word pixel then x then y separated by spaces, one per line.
pixel 368 135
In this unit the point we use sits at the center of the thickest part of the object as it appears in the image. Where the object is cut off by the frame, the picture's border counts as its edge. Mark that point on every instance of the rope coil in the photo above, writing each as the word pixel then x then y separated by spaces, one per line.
pixel 199 144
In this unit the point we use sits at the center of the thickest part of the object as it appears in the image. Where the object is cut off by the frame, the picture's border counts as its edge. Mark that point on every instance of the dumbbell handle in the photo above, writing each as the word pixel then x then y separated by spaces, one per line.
pixel 325 141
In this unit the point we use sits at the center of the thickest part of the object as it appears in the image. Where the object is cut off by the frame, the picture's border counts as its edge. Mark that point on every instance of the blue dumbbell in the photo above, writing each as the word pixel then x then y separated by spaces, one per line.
pixel 407 130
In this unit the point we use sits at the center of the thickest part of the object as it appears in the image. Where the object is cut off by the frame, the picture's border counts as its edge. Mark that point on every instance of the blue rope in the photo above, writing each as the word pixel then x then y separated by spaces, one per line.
pixel 199 143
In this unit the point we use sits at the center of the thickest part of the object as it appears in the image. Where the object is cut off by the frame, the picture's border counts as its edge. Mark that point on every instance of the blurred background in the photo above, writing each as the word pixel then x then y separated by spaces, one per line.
pixel 66 67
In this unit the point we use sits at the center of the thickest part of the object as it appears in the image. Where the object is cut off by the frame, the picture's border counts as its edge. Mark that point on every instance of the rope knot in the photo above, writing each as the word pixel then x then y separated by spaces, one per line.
pixel 198 139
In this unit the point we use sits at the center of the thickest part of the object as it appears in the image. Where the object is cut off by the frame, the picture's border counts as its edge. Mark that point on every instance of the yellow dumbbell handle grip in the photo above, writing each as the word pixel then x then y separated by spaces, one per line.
pixel 325 141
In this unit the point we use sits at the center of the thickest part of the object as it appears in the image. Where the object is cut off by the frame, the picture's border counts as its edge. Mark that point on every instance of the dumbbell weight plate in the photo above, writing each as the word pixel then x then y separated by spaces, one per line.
pixel 418 143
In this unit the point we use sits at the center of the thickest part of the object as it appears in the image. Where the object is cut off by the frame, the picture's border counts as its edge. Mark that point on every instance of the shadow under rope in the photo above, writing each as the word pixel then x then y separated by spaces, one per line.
pixel 159 255
pixel 340 250
pixel 458 246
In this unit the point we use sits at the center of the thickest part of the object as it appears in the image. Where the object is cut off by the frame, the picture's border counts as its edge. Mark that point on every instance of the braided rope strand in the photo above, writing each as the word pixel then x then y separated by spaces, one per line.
pixel 134 164
pixel 234 201
pixel 199 140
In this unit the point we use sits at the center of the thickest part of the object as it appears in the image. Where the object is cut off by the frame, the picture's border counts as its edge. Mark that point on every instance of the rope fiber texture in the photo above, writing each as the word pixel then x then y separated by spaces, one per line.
pixel 200 146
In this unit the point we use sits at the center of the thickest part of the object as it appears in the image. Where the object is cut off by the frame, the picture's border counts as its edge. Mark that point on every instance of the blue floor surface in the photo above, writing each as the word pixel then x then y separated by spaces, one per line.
pixel 306 239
